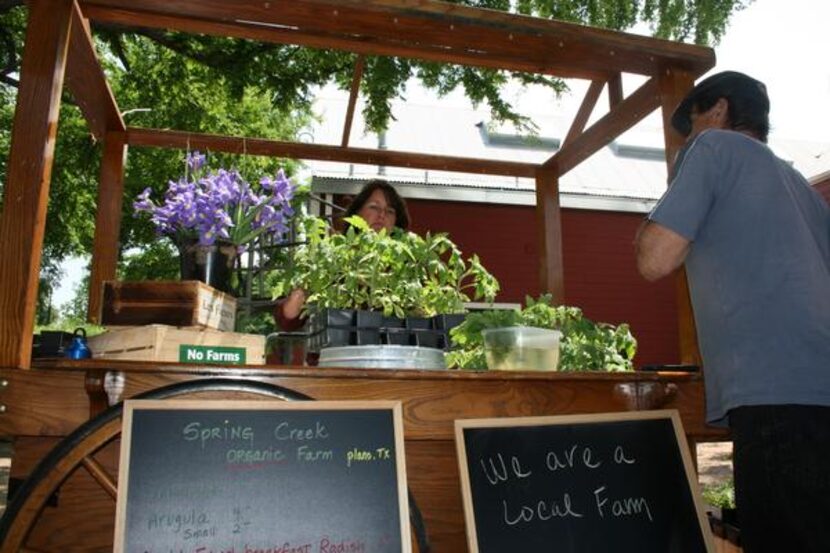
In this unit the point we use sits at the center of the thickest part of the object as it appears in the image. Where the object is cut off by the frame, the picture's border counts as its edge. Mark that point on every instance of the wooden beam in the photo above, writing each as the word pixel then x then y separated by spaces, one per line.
pixel 107 221
pixel 274 148
pixel 627 114
pixel 353 93
pixel 589 102
pixel 430 30
pixel 362 45
pixel 28 174
pixel 615 91
pixel 549 224
pixel 86 80
pixel 674 85
pixel 101 476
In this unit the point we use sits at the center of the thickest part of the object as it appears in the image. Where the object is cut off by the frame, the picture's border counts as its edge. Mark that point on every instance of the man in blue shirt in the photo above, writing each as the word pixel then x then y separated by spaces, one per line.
pixel 755 240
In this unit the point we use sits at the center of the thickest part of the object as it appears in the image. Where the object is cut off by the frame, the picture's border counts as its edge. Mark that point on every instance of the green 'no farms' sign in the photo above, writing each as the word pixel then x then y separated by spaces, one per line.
pixel 211 354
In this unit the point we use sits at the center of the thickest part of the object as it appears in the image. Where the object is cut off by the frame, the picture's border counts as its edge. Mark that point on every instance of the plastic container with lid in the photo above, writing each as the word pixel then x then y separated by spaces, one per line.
pixel 521 348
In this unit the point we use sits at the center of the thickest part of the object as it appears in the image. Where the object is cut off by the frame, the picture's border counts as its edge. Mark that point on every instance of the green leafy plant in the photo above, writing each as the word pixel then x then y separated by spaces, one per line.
pixel 70 326
pixel 399 273
pixel 720 495
pixel 585 345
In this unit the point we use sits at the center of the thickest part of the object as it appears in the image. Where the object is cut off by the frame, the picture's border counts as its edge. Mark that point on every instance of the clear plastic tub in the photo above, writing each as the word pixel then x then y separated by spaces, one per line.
pixel 521 348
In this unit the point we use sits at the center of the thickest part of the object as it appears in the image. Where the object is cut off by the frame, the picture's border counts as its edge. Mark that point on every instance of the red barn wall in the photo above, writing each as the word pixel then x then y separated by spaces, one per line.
pixel 600 274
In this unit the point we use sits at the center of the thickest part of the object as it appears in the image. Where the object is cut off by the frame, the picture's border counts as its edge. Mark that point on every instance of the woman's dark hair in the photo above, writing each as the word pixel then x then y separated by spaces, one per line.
pixel 392 198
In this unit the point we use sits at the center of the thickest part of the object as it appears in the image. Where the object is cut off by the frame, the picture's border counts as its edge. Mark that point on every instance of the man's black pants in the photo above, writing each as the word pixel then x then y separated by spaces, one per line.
pixel 782 477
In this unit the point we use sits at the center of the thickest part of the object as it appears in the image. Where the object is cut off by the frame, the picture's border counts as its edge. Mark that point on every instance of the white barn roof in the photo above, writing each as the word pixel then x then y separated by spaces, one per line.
pixel 627 175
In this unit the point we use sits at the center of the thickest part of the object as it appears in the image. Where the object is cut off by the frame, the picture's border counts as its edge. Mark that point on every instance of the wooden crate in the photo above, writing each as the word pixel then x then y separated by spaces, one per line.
pixel 176 303
pixel 186 345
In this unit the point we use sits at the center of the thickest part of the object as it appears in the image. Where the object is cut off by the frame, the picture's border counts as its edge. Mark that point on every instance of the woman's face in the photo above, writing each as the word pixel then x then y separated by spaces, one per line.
pixel 377 211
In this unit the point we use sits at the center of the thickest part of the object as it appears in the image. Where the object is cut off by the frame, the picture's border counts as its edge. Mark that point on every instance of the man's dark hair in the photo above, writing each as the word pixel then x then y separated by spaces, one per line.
pixel 394 200
pixel 747 99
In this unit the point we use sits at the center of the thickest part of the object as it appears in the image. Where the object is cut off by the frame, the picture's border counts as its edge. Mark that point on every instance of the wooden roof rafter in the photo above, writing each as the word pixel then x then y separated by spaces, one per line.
pixel 440 32
pixel 433 31
pixel 359 64
pixel 87 81
pixel 627 113
pixel 368 156
pixel 360 45
pixel 587 106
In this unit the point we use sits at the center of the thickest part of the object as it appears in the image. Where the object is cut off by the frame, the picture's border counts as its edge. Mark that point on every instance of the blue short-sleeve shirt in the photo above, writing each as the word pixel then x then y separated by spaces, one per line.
pixel 758 270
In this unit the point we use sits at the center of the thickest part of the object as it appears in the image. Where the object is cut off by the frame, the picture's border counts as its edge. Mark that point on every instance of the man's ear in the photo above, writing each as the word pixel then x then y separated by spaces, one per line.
pixel 720 113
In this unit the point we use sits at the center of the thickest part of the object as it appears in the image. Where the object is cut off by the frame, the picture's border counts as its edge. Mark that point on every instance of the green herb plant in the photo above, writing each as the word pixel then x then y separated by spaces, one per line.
pixel 720 495
pixel 585 345
pixel 399 273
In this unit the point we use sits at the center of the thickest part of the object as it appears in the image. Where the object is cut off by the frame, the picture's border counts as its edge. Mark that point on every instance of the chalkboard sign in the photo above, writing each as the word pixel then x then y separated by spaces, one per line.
pixel 614 482
pixel 208 476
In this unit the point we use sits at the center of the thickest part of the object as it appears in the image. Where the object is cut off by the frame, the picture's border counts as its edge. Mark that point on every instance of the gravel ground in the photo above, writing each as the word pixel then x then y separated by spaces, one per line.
pixel 714 462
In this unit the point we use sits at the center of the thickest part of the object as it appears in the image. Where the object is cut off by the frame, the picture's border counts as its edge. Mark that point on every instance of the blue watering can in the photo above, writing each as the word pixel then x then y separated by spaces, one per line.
pixel 78 348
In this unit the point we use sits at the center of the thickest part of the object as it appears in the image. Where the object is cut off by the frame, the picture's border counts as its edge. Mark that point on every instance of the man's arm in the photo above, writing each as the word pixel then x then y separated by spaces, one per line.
pixel 660 250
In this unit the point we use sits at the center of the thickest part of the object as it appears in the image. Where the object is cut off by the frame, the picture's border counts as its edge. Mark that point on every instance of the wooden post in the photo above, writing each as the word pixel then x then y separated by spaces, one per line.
pixel 674 85
pixel 107 220
pixel 29 173
pixel 549 223
pixel 359 65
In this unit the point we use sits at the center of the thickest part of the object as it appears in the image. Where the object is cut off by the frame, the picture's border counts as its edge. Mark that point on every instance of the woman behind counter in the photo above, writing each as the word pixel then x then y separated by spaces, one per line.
pixel 380 205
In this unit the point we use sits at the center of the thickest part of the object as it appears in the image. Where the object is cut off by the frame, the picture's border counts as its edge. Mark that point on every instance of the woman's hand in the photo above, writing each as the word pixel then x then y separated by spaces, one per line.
pixel 293 305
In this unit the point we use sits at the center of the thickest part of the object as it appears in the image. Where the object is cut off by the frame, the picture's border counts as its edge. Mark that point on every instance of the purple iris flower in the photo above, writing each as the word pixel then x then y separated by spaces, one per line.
pixel 220 205
pixel 195 161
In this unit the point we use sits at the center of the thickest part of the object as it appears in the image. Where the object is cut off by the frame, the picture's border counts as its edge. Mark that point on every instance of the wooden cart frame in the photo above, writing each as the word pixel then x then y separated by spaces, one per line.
pixel 59 48
pixel 50 400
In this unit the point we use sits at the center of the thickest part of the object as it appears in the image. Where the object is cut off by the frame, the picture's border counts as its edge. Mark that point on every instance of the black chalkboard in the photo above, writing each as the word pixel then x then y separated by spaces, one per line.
pixel 614 482
pixel 212 476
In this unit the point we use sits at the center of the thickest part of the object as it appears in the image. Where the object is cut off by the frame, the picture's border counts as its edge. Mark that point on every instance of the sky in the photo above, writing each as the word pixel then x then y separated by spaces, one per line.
pixel 783 43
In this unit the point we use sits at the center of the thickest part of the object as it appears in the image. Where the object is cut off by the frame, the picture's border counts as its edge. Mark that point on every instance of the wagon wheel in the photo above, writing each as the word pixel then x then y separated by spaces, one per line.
pixel 78 448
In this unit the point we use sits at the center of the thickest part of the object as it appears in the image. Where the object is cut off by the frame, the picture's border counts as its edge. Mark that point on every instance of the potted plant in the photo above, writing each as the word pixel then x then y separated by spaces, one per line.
pixel 722 497
pixel 384 277
pixel 585 345
pixel 723 515
pixel 213 215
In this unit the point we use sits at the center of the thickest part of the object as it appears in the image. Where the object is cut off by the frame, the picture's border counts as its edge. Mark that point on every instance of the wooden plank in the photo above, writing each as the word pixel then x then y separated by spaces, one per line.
pixel 156 342
pixel 587 106
pixel 674 85
pixel 615 91
pixel 431 27
pixel 363 45
pixel 38 403
pixel 274 148
pixel 86 80
pixel 549 223
pixel 358 76
pixel 107 220
pixel 28 174
pixel 176 302
pixel 627 114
